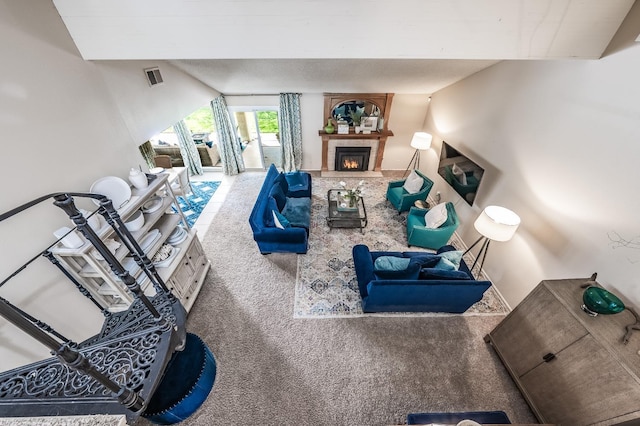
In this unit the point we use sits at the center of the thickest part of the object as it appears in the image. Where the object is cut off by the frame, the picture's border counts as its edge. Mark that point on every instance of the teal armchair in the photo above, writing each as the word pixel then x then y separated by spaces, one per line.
pixel 401 199
pixel 419 235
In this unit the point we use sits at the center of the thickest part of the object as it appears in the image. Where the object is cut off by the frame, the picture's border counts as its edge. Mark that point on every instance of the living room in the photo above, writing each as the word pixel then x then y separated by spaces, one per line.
pixel 557 139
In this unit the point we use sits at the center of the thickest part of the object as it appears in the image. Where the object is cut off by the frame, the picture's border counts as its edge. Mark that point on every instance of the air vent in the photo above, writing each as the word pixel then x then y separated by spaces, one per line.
pixel 153 76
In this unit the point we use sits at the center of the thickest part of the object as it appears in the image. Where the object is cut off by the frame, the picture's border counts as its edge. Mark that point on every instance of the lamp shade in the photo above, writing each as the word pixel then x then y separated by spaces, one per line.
pixel 497 223
pixel 421 140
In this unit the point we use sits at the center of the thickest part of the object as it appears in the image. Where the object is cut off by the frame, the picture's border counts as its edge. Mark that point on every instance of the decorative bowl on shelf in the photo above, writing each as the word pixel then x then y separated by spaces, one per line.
pixel 135 222
pixel 597 300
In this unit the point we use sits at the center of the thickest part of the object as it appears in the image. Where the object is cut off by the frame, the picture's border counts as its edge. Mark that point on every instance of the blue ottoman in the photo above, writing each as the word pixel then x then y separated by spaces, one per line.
pixel 483 417
pixel 186 383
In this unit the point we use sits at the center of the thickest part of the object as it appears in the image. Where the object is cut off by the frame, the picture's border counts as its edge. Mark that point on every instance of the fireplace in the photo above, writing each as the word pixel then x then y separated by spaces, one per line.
pixel 352 158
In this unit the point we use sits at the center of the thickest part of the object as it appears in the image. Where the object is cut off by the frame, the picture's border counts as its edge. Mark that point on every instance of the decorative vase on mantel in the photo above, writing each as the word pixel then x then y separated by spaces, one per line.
pixel 329 127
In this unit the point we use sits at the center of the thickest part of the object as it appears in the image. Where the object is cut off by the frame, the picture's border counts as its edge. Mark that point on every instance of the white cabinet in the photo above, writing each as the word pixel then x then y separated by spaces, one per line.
pixel 572 369
pixel 183 274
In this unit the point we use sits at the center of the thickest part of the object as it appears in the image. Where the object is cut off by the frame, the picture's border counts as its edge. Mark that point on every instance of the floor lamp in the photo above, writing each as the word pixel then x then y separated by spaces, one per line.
pixel 494 224
pixel 421 141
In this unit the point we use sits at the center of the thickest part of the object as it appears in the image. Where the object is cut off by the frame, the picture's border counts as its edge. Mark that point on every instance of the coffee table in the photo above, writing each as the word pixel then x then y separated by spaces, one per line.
pixel 343 216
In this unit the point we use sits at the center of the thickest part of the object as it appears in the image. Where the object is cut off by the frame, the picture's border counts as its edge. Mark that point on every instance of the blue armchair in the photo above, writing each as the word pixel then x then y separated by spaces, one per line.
pixel 401 199
pixel 419 235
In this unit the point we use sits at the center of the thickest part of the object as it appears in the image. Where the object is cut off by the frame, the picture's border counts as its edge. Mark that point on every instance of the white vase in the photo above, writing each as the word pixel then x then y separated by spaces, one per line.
pixel 138 179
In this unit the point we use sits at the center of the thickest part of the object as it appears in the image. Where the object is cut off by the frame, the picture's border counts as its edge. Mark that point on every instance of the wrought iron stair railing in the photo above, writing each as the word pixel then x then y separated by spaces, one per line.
pixel 50 387
pixel 113 372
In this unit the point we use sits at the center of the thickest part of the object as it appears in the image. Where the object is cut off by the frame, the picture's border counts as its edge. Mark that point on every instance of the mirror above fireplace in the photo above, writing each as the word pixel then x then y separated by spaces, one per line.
pixel 351 105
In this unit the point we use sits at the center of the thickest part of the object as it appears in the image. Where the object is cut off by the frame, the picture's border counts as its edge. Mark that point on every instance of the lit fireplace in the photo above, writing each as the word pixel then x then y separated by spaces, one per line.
pixel 352 159
pixel 348 163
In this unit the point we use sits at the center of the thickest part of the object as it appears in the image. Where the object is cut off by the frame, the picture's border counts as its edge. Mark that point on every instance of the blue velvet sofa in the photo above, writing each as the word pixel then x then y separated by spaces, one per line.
pixel 432 291
pixel 282 212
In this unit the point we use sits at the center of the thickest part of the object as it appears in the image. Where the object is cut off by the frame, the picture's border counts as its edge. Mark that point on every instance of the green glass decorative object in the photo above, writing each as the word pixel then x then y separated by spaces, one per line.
pixel 329 127
pixel 599 301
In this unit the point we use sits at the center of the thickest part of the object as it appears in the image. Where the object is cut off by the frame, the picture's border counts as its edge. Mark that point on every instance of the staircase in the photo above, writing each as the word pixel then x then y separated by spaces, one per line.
pixel 114 372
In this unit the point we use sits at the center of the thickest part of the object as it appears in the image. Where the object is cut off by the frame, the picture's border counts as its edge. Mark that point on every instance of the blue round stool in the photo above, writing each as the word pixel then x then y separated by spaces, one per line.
pixel 187 381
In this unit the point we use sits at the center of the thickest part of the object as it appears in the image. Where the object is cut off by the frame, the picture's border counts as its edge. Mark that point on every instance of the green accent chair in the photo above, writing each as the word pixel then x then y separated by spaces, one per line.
pixel 401 199
pixel 419 235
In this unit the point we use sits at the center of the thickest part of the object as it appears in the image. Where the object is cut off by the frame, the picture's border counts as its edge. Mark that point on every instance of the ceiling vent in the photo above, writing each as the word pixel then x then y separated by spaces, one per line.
pixel 153 76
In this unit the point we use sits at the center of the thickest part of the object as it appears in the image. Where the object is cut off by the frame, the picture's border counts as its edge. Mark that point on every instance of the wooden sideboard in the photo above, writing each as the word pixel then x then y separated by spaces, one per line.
pixel 572 369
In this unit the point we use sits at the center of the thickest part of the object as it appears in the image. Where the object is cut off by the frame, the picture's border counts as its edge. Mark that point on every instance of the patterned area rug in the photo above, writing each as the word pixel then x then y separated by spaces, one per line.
pixel 326 285
pixel 202 193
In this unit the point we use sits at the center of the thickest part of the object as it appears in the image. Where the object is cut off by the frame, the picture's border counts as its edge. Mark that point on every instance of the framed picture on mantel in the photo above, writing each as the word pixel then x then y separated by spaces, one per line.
pixel 369 123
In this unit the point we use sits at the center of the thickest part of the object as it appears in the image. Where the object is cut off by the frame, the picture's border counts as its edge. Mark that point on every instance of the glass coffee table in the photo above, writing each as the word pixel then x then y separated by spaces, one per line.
pixel 341 215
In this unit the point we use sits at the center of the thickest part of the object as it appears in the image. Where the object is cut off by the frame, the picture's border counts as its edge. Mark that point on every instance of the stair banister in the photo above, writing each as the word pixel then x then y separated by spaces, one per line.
pixel 71 357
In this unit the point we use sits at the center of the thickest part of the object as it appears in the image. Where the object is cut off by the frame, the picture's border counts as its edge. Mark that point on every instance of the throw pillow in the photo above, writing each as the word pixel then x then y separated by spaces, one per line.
pixel 391 263
pixel 213 153
pixel 278 194
pixel 449 260
pixel 279 220
pixel 282 181
pixel 411 273
pixel 436 216
pixel 413 183
pixel 426 260
pixel 441 274
pixel 270 204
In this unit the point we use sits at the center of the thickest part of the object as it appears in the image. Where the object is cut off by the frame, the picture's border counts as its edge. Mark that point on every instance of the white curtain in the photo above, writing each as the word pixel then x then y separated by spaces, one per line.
pixel 290 131
pixel 188 148
pixel 228 143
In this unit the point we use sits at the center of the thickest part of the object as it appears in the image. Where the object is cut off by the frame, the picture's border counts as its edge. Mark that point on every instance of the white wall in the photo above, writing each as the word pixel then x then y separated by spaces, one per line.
pixel 407 117
pixel 559 142
pixel 148 110
pixel 65 123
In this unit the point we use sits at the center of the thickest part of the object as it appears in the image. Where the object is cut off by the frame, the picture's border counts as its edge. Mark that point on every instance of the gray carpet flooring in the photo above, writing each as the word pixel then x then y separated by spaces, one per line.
pixel 277 370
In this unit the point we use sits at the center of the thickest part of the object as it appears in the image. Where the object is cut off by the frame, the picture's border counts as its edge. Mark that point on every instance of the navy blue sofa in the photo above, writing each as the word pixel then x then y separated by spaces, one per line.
pixel 287 198
pixel 432 291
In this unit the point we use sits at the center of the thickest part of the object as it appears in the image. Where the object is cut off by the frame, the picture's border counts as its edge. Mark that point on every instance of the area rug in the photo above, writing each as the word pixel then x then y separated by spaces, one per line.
pixel 326 284
pixel 202 193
